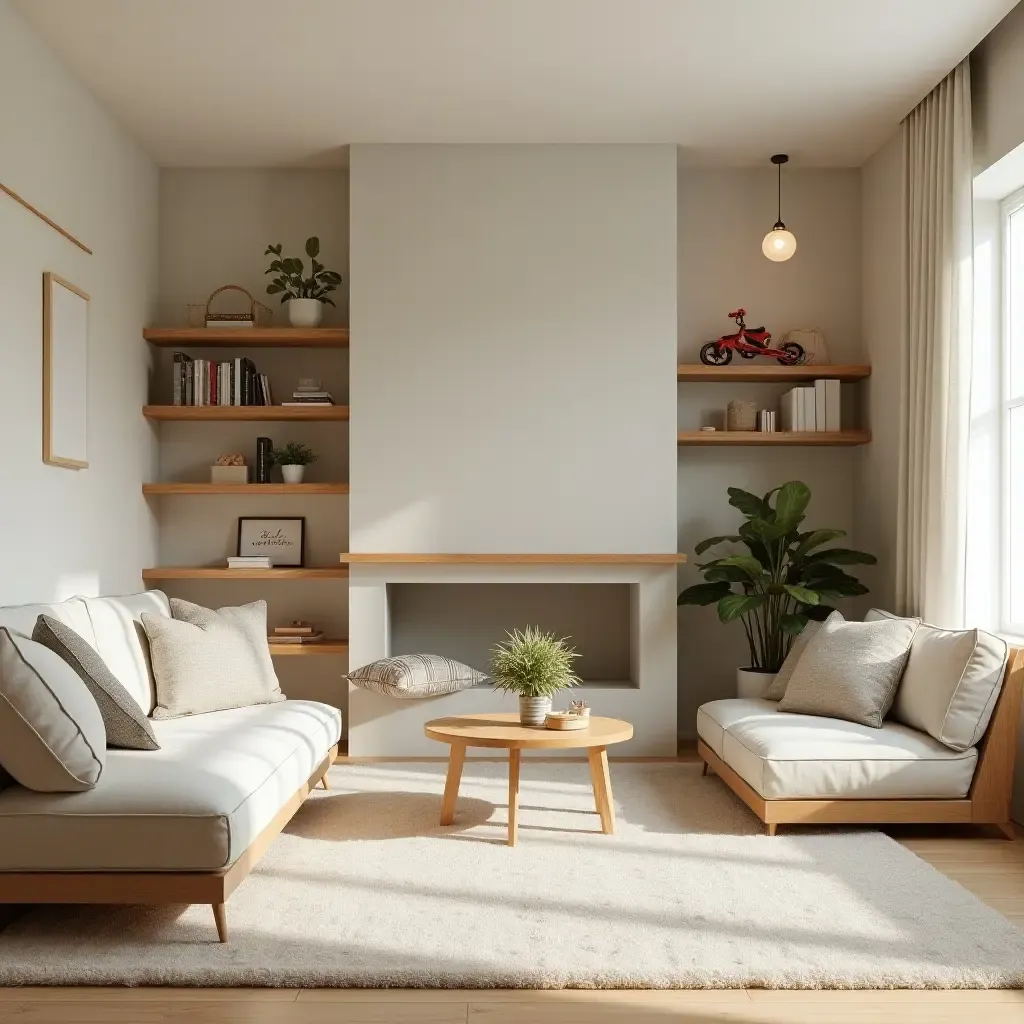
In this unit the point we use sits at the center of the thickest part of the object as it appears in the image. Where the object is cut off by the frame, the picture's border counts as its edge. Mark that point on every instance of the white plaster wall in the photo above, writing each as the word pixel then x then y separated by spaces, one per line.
pixel 65 532
pixel 723 215
pixel 997 85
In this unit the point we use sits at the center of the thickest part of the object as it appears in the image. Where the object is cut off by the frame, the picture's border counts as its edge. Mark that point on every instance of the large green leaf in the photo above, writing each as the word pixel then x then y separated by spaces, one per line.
pixel 792 623
pixel 820 612
pixel 791 503
pixel 843 556
pixel 313 246
pixel 735 605
pixel 768 531
pixel 728 573
pixel 747 563
pixel 814 538
pixel 703 593
pixel 801 594
pixel 712 541
pixel 749 504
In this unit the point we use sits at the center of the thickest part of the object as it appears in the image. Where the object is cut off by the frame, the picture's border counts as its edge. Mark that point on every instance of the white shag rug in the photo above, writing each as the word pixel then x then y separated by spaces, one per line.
pixel 366 889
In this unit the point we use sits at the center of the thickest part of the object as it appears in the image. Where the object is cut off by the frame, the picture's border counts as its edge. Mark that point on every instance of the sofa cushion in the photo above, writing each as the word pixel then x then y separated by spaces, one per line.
pixel 195 804
pixel 778 686
pixel 412 676
pixel 51 733
pixel 123 719
pixel 716 716
pixel 22 618
pixel 121 641
pixel 951 683
pixel 783 756
pixel 851 670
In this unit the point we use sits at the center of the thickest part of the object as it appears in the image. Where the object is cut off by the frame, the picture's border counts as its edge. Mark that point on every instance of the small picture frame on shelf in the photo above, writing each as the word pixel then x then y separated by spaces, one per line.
pixel 283 539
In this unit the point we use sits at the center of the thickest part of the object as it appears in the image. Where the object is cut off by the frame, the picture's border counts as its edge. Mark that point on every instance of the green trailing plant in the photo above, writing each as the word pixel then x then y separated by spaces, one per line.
pixel 533 663
pixel 291 283
pixel 293 454
pixel 783 578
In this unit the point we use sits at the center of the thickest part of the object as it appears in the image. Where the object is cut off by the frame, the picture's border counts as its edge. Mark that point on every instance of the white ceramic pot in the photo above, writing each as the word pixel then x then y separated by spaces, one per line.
pixel 293 474
pixel 305 312
pixel 533 710
pixel 752 682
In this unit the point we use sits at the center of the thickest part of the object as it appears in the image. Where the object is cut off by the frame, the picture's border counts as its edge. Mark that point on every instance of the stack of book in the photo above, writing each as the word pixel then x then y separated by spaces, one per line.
pixel 250 562
pixel 815 408
pixel 310 392
pixel 296 633
pixel 204 382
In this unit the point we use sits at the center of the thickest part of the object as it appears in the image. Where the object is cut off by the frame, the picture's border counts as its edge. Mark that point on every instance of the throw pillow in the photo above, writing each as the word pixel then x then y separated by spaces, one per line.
pixel 409 676
pixel 777 688
pixel 850 670
pixel 126 724
pixel 51 732
pixel 210 660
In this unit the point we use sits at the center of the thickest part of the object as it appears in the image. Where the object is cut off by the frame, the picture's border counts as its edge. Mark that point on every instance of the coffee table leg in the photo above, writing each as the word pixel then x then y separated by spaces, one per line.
pixel 598 758
pixel 514 756
pixel 456 759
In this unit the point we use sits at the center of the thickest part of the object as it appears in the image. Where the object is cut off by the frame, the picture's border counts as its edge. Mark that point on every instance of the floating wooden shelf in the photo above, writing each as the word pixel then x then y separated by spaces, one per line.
pixel 248 337
pixel 362 558
pixel 245 489
pixel 207 413
pixel 841 438
pixel 771 373
pixel 215 572
pixel 323 647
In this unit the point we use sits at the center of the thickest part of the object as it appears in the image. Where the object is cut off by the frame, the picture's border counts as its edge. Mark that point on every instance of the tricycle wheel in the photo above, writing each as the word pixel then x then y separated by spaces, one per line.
pixel 714 354
pixel 794 353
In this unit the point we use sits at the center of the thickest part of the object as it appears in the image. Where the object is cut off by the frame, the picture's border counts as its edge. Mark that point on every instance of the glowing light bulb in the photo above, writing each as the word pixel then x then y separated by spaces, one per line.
pixel 779 244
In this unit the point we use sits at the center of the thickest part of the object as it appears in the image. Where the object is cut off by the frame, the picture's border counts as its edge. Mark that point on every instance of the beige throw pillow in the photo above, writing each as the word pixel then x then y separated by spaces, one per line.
pixel 851 670
pixel 777 688
pixel 410 676
pixel 51 732
pixel 210 660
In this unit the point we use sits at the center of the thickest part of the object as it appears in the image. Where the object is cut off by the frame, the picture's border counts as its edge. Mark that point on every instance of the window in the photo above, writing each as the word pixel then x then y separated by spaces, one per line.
pixel 1012 597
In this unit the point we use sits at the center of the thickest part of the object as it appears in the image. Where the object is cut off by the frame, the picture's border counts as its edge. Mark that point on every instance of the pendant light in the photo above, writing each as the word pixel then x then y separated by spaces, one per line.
pixel 779 244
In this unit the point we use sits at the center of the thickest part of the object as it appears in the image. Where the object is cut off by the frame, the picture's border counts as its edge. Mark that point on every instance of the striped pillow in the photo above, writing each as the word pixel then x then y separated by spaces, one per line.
pixel 411 676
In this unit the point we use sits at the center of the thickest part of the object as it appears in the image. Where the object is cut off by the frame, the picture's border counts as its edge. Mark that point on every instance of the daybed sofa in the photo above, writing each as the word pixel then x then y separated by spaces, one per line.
pixel 182 824
pixel 806 769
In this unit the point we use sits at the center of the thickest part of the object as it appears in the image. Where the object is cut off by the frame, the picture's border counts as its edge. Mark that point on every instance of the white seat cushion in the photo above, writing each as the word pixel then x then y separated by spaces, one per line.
pixel 793 757
pixel 716 716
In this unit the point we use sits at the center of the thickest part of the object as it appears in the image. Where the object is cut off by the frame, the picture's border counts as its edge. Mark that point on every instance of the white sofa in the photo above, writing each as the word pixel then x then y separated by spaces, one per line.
pixel 795 768
pixel 182 824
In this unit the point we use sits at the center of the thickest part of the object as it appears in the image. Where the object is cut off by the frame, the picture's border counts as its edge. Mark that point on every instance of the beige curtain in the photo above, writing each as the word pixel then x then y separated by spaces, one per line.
pixel 931 536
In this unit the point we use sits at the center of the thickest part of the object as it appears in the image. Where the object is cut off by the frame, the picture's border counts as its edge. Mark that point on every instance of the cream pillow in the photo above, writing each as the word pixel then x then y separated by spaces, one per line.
pixel 51 732
pixel 850 670
pixel 410 676
pixel 210 660
pixel 777 688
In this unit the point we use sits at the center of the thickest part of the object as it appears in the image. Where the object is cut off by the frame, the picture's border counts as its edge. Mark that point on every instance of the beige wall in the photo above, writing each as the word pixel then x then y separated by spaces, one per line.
pixel 997 83
pixel 65 532
pixel 723 215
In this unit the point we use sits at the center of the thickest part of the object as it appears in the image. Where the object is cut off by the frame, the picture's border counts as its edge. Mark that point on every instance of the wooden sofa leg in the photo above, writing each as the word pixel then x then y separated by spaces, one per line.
pixel 324 782
pixel 220 915
pixel 705 769
pixel 1007 829
pixel 770 827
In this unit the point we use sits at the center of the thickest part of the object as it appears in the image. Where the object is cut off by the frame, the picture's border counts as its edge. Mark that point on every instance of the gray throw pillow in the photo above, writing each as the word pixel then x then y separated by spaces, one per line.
pixel 777 688
pixel 126 724
pixel 51 732
pixel 851 670
pixel 409 676
pixel 210 660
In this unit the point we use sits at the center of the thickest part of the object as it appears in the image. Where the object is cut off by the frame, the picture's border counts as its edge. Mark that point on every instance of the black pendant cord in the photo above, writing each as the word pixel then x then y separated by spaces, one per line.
pixel 779 217
pixel 779 159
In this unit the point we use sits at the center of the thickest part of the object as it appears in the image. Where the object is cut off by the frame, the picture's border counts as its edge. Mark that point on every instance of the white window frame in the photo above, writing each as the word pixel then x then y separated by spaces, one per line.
pixel 1012 204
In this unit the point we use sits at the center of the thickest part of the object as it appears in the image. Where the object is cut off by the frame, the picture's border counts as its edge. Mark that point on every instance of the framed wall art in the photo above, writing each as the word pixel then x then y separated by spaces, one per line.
pixel 65 373
pixel 282 539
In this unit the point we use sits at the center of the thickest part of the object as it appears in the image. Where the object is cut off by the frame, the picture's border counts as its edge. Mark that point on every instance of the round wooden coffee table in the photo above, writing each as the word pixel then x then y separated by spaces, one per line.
pixel 504 731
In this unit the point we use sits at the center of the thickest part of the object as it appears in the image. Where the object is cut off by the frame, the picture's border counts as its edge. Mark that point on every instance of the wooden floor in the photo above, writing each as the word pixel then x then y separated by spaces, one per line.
pixel 991 868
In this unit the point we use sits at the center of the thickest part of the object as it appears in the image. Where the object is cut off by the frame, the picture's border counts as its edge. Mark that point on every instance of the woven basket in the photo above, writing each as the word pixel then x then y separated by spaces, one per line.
pixel 741 415
pixel 201 315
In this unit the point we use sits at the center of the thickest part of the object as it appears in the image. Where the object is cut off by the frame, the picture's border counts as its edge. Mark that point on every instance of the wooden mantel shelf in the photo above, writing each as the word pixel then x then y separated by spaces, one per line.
pixel 248 337
pixel 389 558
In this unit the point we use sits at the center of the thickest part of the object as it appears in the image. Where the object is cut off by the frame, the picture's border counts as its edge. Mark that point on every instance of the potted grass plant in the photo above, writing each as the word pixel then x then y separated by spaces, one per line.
pixel 780 577
pixel 535 665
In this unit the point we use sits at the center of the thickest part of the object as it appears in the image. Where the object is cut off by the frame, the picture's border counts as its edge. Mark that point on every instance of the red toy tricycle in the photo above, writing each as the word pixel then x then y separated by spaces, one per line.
pixel 749 342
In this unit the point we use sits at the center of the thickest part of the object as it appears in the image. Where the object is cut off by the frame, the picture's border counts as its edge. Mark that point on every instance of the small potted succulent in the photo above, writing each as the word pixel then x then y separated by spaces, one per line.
pixel 305 296
pixel 535 665
pixel 293 459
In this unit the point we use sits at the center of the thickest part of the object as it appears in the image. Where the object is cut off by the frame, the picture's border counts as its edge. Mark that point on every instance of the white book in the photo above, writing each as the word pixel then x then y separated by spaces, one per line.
pixel 833 405
pixel 819 405
pixel 786 411
pixel 807 403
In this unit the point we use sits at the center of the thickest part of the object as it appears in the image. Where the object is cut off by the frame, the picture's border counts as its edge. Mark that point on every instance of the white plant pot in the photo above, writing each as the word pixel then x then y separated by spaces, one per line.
pixel 752 682
pixel 293 474
pixel 305 312
pixel 533 710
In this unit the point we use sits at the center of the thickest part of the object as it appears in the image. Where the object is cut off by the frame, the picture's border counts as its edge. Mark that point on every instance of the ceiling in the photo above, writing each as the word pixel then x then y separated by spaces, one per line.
pixel 222 83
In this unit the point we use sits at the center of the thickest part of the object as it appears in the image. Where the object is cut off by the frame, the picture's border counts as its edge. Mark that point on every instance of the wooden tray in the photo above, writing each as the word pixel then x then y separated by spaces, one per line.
pixel 566 722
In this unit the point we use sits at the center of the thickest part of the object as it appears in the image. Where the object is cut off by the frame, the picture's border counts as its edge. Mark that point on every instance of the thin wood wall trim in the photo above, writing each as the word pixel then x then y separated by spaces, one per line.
pixel 46 220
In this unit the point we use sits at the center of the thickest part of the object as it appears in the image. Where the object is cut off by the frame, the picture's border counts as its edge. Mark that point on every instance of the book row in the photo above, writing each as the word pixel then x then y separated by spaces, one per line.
pixel 205 382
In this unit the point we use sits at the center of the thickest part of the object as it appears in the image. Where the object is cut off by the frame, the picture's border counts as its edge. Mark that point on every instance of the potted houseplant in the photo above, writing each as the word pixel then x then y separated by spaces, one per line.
pixel 293 459
pixel 778 579
pixel 305 296
pixel 535 665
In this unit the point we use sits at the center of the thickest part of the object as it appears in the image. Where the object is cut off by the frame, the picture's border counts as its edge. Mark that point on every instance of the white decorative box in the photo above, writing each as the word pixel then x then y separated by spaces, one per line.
pixel 229 474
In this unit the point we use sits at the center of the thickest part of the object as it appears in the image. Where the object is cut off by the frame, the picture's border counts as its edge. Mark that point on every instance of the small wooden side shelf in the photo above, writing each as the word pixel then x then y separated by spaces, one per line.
pixel 769 373
pixel 327 487
pixel 839 438
pixel 208 413
pixel 248 337
pixel 338 647
pixel 215 572
pixel 388 558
